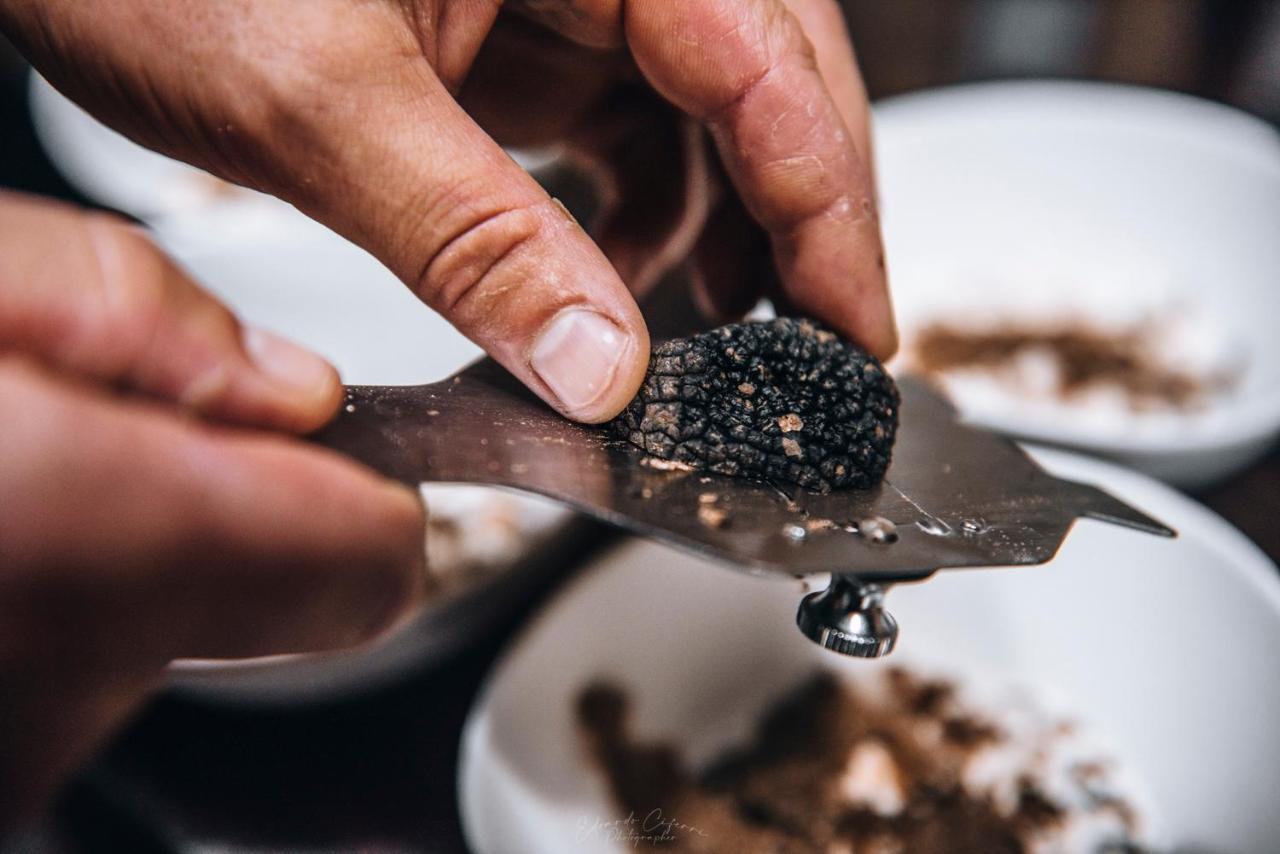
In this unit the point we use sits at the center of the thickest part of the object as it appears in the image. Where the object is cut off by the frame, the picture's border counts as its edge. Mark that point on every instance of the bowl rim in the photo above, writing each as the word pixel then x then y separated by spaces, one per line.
pixel 1220 129
pixel 1242 560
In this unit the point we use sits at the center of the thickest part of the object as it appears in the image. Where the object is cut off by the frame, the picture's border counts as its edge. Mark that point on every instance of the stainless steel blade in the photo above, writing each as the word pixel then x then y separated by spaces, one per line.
pixel 955 496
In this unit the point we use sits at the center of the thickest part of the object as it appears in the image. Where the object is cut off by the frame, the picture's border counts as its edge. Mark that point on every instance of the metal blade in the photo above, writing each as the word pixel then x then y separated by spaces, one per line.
pixel 955 496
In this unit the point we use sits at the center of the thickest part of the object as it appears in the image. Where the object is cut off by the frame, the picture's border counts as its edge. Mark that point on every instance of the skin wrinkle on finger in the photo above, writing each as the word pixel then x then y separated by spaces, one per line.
pixel 464 264
pixel 133 299
pixel 779 121
pixel 473 274
pixel 121 340
pixel 816 165
pixel 731 47
pixel 823 23
pixel 538 261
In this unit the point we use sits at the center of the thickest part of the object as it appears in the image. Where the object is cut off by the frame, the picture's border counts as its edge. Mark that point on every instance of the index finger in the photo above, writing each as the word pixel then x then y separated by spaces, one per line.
pixel 156 537
pixel 823 23
pixel 746 68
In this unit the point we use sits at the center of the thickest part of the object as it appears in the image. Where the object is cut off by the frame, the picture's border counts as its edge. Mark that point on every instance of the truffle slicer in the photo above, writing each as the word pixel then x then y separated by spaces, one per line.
pixel 954 496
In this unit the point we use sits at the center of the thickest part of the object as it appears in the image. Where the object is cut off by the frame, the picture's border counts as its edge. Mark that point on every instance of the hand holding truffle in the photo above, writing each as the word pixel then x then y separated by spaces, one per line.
pixel 384 120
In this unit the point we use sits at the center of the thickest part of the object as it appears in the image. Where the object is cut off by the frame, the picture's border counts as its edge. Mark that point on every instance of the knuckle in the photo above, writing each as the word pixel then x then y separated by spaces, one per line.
pixel 130 284
pixel 478 255
pixel 756 49
pixel 151 324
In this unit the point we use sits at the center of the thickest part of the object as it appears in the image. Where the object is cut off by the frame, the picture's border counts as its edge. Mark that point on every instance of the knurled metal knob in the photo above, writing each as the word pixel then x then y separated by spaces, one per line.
pixel 849 618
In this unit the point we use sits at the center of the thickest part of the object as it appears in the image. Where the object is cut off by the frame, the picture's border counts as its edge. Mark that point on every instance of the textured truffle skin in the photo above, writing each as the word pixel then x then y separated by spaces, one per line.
pixel 782 400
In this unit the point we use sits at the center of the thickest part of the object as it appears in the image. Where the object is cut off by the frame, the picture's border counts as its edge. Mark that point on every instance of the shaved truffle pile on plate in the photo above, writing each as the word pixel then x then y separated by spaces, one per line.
pixel 909 767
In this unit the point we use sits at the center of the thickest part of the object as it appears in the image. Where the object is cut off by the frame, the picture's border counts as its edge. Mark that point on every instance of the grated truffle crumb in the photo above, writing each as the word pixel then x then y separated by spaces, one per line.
pixel 659 464
pixel 712 516
pixel 790 423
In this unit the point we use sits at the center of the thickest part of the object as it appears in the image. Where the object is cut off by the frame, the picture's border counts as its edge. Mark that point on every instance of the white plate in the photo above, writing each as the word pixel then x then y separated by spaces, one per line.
pixel 1095 199
pixel 1168 647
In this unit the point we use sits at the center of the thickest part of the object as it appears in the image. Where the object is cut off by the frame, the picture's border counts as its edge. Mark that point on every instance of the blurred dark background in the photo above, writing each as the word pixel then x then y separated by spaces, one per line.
pixel 1228 50
pixel 374 772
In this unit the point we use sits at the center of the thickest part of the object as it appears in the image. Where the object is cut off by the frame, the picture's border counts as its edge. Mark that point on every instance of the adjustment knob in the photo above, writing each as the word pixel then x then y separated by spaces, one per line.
pixel 849 618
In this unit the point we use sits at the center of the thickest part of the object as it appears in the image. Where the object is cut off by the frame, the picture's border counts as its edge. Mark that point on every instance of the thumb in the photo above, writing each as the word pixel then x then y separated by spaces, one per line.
pixel 437 200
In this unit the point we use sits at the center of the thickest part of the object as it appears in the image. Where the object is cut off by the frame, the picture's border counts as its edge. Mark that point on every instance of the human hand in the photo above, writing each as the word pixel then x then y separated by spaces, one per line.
pixel 383 120
pixel 132 533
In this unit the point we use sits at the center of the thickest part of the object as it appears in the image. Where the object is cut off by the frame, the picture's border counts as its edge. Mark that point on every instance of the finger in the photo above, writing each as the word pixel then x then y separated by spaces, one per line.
pixel 130 535
pixel 748 71
pixel 599 23
pixel 824 25
pixel 93 296
pixel 475 237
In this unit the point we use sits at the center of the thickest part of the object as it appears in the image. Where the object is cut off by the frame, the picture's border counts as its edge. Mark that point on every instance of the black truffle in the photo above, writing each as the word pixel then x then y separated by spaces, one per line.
pixel 783 400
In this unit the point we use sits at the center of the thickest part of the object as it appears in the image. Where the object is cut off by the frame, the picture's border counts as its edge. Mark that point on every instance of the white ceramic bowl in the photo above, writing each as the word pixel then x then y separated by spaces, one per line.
pixel 1167 647
pixel 1096 199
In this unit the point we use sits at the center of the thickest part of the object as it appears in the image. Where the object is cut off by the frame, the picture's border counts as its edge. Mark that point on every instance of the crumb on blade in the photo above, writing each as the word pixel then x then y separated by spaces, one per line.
pixel 665 465
pixel 712 516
